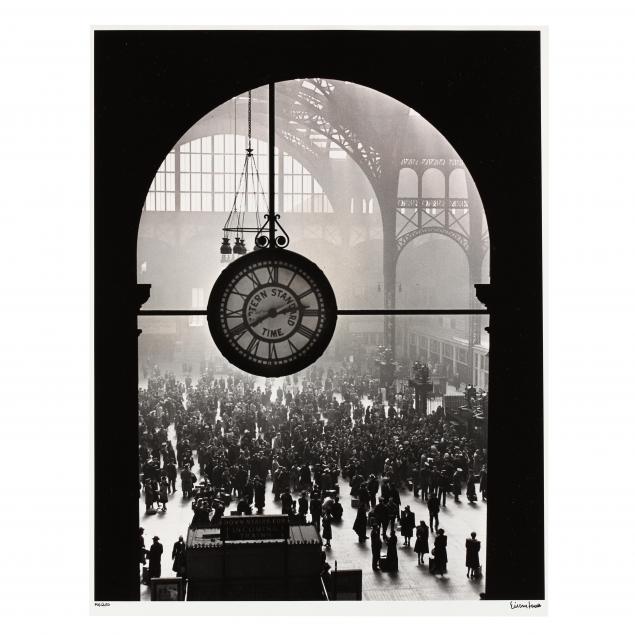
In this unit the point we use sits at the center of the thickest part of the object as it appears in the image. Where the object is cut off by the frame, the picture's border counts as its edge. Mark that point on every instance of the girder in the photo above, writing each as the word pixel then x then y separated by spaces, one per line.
pixel 460 239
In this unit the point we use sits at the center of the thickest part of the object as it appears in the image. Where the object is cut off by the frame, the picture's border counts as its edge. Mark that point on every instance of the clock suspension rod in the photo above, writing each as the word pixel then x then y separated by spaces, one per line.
pixel 272 164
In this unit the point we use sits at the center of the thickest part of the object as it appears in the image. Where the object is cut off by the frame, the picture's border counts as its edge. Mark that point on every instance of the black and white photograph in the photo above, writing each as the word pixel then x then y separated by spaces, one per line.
pixel 318 316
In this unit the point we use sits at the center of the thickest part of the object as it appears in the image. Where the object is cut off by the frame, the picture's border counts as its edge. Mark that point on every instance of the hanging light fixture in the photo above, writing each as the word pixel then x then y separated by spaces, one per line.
pixel 249 190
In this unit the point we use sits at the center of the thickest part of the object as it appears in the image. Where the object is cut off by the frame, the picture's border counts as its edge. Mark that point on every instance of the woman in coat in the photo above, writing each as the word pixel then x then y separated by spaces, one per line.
pixel 163 492
pixel 392 559
pixel 359 526
pixel 472 547
pixel 407 525
pixel 440 552
pixel 149 496
pixel 421 543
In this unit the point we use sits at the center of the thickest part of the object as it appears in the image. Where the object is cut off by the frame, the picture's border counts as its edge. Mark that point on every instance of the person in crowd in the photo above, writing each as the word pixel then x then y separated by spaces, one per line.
pixel 421 542
pixel 187 481
pixel 315 508
pixel 483 483
pixel 149 496
pixel 433 511
pixel 444 485
pixel 470 492
pixel 440 552
pixel 359 526
pixel 327 533
pixel 380 514
pixel 154 558
pixel 243 507
pixel 337 510
pixel 171 471
pixel 259 494
pixel 303 506
pixel 457 478
pixel 286 499
pixel 392 558
pixel 472 562
pixel 142 547
pixel 178 557
pixel 375 545
pixel 163 493
pixel 407 523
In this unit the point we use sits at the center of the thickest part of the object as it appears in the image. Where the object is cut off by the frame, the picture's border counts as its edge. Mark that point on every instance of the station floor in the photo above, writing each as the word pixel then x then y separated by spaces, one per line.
pixel 411 582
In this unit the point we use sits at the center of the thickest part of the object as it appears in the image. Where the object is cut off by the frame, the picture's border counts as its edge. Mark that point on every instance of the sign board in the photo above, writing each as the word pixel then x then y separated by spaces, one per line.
pixel 254 527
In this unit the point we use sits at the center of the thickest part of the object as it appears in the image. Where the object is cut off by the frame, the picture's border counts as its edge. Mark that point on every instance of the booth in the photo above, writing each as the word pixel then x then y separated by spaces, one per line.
pixel 257 557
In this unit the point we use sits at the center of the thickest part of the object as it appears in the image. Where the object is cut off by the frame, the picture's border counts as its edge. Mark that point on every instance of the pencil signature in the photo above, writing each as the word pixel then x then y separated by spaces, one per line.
pixel 524 605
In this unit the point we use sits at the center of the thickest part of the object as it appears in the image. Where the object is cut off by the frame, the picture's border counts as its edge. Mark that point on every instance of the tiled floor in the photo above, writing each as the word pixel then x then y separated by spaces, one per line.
pixel 411 582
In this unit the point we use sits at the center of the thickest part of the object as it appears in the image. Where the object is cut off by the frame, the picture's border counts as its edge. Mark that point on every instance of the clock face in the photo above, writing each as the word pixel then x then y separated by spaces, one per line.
pixel 272 312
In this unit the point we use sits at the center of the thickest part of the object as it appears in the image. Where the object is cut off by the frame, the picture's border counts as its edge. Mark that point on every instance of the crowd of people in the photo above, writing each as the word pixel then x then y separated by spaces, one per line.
pixel 315 428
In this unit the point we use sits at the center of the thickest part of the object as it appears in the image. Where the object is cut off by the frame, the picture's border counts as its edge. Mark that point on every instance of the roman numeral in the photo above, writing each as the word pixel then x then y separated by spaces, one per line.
pixel 235 291
pixel 252 347
pixel 305 332
pixel 311 312
pixel 294 349
pixel 295 273
pixel 238 313
pixel 273 353
pixel 255 280
pixel 273 274
pixel 238 330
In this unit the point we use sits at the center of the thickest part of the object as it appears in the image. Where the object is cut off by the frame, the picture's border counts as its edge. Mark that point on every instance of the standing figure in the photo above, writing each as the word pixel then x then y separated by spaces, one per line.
pixel 456 484
pixel 154 557
pixel 440 552
pixel 163 492
pixel 259 494
pixel 433 510
pixel 407 525
pixel 421 543
pixel 187 481
pixel 483 483
pixel 170 470
pixel 149 496
pixel 375 545
pixel 315 508
pixel 327 533
pixel 392 559
pixel 359 526
pixel 472 562
pixel 178 555
pixel 470 492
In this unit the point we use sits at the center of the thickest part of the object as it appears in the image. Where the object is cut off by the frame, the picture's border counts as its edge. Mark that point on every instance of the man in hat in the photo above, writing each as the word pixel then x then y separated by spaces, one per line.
pixel 154 558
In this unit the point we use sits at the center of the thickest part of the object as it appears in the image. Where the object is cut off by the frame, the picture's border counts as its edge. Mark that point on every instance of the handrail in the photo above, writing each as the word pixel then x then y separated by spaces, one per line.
pixel 325 593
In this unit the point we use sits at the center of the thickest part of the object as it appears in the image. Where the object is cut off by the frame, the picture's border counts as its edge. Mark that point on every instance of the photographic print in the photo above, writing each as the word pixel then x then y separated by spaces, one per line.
pixel 318 317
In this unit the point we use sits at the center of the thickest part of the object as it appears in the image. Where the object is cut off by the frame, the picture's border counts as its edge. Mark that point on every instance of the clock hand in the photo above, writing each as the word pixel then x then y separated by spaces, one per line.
pixel 290 309
pixel 263 316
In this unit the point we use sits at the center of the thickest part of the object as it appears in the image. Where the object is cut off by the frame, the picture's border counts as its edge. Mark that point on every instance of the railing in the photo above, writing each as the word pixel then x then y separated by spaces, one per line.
pixel 325 593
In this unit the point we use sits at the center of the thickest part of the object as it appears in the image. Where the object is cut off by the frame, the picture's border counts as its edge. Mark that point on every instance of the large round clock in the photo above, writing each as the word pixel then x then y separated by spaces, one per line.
pixel 272 312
